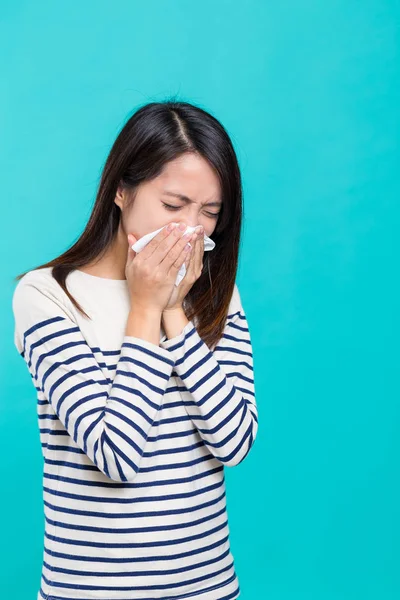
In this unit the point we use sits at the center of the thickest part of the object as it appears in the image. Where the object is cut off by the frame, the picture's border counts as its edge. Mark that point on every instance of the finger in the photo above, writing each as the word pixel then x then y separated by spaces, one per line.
pixel 131 253
pixel 164 251
pixel 184 256
pixel 173 257
pixel 161 236
pixel 198 255
pixel 190 255
pixel 191 264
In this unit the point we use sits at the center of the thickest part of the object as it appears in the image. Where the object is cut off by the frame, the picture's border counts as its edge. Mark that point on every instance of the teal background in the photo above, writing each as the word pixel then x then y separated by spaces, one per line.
pixel 309 92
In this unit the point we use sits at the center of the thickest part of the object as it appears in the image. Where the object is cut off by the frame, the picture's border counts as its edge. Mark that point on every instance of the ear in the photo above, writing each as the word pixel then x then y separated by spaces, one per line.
pixel 120 197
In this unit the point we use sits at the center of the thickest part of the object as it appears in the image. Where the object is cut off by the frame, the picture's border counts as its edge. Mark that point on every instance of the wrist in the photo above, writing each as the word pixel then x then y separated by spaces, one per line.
pixel 174 321
pixel 145 312
pixel 144 324
pixel 172 310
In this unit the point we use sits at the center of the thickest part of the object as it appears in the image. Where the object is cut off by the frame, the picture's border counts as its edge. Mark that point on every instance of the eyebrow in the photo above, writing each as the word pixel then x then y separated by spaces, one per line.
pixel 189 200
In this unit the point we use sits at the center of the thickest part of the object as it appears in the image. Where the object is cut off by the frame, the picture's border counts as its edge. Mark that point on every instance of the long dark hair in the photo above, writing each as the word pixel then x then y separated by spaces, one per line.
pixel 156 133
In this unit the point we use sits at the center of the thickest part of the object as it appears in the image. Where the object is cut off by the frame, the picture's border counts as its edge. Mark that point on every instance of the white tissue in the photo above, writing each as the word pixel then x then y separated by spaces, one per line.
pixel 209 244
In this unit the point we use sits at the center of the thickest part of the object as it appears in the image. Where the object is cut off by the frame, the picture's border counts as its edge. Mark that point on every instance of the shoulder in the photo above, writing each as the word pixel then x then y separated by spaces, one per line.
pixel 37 300
pixel 37 277
pixel 235 304
pixel 34 286
pixel 42 279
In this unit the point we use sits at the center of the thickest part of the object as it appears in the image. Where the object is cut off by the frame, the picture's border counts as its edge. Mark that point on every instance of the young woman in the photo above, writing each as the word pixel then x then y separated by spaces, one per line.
pixel 145 389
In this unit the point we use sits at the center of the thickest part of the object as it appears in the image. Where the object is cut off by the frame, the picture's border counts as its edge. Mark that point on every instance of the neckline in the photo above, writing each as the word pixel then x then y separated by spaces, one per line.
pixel 96 278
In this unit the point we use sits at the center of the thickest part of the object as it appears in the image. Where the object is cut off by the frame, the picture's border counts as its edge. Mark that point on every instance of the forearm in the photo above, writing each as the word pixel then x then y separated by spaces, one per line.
pixel 174 321
pixel 220 395
pixel 109 420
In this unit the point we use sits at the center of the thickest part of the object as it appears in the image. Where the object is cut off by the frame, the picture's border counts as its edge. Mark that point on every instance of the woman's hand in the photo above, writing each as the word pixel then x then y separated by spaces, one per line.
pixel 151 273
pixel 194 267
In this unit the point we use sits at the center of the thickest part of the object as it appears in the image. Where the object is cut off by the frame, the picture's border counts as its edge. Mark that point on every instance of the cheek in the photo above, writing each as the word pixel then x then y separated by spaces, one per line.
pixel 156 218
pixel 209 230
pixel 139 223
pixel 149 226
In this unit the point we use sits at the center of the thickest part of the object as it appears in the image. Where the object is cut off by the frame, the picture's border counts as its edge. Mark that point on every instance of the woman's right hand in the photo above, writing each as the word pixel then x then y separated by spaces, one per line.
pixel 151 273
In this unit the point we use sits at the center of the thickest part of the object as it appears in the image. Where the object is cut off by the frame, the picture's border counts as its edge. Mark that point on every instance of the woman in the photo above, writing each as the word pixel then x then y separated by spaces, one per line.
pixel 145 389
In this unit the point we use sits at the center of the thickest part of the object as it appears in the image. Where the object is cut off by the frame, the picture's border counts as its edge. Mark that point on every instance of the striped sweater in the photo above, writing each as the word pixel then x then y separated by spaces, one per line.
pixel 135 438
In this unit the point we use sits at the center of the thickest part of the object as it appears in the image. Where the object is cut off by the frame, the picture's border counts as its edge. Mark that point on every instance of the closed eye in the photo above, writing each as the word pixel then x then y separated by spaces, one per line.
pixel 170 207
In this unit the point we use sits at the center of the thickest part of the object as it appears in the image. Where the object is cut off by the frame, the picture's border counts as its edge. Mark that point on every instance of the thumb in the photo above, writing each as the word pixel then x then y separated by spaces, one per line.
pixel 131 241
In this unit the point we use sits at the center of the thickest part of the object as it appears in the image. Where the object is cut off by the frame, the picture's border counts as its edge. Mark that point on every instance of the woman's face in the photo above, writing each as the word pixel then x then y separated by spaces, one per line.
pixel 189 175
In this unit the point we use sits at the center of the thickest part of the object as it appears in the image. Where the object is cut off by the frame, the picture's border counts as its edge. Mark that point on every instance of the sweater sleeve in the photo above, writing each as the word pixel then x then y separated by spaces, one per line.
pixel 220 384
pixel 109 421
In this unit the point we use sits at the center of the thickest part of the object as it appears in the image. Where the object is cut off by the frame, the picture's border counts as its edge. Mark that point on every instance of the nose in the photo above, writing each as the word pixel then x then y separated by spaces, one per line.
pixel 191 223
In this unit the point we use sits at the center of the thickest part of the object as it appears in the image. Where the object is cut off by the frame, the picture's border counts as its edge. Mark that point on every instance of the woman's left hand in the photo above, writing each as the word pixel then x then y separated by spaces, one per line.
pixel 194 267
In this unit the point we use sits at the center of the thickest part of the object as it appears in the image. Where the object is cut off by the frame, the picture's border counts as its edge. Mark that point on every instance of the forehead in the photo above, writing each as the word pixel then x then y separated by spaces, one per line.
pixel 189 175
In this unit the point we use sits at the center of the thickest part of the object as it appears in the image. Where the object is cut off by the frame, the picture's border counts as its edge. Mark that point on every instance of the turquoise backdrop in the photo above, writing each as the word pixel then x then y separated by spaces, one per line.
pixel 310 93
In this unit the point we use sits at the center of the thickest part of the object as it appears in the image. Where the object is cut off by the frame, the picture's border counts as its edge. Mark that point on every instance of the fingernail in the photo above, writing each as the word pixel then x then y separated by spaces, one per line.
pixel 182 226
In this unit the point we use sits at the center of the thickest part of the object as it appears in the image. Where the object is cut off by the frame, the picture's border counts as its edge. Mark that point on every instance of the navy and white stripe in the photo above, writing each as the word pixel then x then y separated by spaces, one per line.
pixel 110 425
pixel 218 391
pixel 135 438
